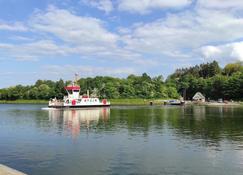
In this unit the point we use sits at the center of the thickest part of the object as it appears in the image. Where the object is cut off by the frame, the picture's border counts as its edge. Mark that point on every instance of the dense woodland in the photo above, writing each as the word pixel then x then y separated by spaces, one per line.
pixel 106 87
pixel 214 82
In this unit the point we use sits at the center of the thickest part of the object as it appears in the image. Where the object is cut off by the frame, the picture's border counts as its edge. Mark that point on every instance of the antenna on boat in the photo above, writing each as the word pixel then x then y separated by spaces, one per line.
pixel 76 79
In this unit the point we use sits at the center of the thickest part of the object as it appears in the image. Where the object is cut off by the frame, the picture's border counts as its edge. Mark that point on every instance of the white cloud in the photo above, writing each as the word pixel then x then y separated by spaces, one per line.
pixel 72 28
pixel 179 35
pixel 225 53
pixel 17 26
pixel 104 5
pixel 145 6
pixel 182 37
pixel 67 70
pixel 31 51
pixel 237 51
pixel 211 52
pixel 221 4
pixel 26 58
pixel 5 46
pixel 20 38
pixel 76 35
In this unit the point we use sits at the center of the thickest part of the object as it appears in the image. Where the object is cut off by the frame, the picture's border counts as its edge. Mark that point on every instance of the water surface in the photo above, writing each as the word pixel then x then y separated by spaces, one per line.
pixel 122 140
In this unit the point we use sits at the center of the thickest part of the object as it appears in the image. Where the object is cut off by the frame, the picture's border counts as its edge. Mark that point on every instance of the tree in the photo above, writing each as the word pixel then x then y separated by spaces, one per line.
pixel 172 92
pixel 34 93
pixel 229 69
pixel 59 89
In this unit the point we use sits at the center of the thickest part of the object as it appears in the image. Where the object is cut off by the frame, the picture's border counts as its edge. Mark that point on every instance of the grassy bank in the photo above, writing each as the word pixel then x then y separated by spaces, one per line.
pixel 136 101
pixel 23 102
pixel 113 101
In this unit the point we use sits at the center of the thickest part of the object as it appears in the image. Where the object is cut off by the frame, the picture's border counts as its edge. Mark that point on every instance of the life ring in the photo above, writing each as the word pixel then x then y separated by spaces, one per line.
pixel 104 101
pixel 73 102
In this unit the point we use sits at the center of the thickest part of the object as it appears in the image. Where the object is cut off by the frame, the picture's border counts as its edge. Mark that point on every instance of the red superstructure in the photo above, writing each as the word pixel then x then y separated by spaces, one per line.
pixel 72 88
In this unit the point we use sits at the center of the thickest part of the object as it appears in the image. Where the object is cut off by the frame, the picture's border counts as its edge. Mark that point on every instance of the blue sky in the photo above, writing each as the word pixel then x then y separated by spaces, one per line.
pixel 53 39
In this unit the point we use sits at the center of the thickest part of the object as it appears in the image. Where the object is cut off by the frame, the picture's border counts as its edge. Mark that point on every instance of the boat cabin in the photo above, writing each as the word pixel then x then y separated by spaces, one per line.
pixel 73 91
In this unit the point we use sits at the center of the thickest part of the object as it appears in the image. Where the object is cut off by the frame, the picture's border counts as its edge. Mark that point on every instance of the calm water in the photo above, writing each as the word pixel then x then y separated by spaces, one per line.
pixel 122 140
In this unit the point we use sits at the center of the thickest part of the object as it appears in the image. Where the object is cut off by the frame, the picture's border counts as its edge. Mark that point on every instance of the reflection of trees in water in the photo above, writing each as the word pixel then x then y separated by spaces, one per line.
pixel 26 117
pixel 73 120
pixel 211 124
pixel 137 120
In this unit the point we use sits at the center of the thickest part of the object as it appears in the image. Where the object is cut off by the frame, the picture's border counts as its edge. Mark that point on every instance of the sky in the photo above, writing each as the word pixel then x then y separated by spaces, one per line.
pixel 53 39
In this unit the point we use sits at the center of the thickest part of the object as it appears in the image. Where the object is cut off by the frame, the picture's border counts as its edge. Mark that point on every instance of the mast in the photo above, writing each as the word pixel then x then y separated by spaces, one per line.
pixel 73 89
pixel 76 79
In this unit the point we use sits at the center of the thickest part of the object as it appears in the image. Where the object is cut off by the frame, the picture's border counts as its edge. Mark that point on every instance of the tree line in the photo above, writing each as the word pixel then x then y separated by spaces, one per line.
pixel 133 86
pixel 209 79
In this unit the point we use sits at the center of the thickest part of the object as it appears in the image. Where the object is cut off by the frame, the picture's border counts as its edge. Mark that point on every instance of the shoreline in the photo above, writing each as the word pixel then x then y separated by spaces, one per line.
pixel 215 103
pixel 114 102
pixel 223 104
pixel 23 102
pixel 128 102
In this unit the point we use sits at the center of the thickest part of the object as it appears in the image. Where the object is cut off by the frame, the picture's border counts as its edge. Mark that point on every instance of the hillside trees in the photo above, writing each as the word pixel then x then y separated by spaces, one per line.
pixel 214 82
pixel 133 86
pixel 211 80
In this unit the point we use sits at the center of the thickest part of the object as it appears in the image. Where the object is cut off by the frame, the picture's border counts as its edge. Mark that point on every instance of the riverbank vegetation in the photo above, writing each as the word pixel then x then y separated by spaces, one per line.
pixel 113 101
pixel 211 80
pixel 132 87
pixel 23 101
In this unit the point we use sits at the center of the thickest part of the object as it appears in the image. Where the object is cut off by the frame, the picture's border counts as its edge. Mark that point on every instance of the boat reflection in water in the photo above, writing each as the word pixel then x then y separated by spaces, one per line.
pixel 72 121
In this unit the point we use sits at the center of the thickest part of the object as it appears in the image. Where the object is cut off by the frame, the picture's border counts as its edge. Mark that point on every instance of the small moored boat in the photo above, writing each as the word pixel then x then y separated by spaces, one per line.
pixel 174 102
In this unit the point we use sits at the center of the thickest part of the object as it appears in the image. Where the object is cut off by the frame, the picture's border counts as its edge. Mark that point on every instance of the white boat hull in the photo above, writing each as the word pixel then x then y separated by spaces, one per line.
pixel 78 106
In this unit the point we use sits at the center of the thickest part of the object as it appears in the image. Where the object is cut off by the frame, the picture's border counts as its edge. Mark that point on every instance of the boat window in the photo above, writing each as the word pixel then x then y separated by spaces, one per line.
pixel 76 91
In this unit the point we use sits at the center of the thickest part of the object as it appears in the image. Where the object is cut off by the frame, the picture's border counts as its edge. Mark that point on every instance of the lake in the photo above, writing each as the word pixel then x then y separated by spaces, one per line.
pixel 122 140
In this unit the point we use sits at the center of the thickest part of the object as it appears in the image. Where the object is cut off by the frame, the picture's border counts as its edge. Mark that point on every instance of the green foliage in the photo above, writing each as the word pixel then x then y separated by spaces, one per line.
pixel 132 87
pixel 211 80
pixel 229 69
pixel 203 70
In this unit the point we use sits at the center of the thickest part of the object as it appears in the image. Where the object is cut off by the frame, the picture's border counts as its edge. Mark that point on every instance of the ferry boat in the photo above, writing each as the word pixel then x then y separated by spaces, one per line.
pixel 75 100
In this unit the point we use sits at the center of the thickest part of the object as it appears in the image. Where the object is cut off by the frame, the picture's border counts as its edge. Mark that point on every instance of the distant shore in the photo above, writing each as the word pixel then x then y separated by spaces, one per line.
pixel 113 101
pixel 215 103
pixel 128 102
pixel 23 102
pixel 224 104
